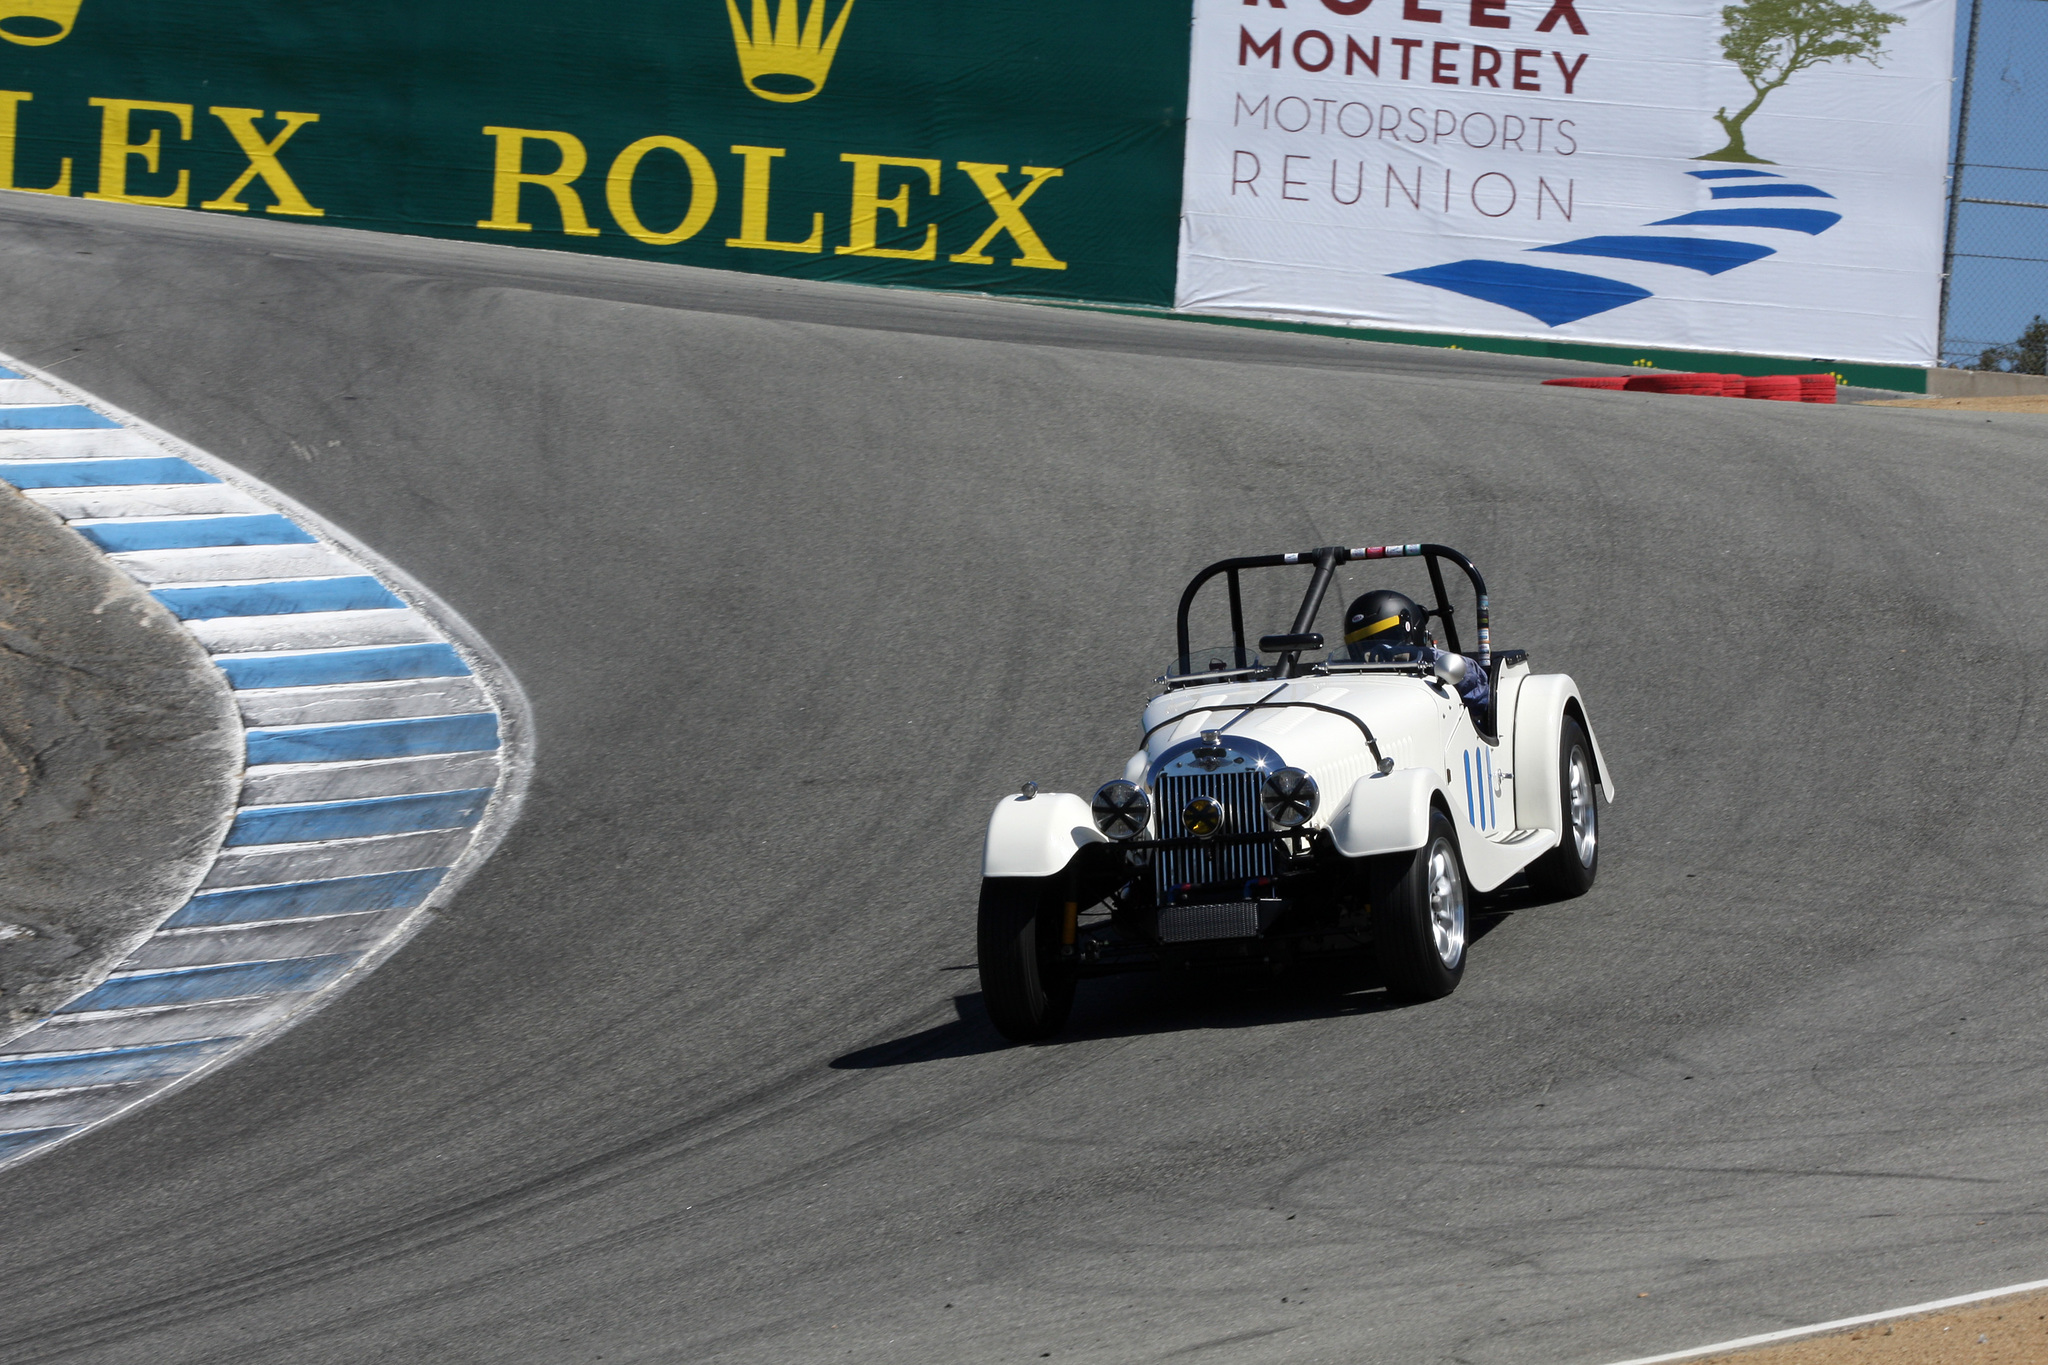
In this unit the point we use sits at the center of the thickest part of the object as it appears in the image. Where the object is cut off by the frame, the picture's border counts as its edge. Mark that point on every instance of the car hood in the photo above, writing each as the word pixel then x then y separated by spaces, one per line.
pixel 1313 731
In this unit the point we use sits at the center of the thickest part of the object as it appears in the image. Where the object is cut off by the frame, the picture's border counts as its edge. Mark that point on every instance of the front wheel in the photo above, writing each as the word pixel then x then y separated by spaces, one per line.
pixel 1026 985
pixel 1421 920
pixel 1568 870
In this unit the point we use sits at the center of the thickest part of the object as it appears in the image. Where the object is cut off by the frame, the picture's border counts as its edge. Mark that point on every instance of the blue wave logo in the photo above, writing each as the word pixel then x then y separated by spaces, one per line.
pixel 1555 297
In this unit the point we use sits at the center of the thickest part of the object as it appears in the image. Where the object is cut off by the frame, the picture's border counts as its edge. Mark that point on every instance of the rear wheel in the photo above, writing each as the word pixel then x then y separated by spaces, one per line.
pixel 1568 870
pixel 1026 985
pixel 1421 920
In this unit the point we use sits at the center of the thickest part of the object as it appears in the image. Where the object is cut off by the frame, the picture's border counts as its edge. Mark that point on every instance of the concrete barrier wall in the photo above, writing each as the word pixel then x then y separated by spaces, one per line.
pixel 1984 384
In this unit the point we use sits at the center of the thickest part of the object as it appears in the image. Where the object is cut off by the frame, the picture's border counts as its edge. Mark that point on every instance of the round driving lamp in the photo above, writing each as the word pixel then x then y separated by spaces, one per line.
pixel 1122 810
pixel 1203 817
pixel 1289 798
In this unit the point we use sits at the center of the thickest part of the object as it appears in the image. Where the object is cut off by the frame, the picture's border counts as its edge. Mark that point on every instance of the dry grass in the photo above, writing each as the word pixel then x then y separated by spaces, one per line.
pixel 2033 402
pixel 2001 1332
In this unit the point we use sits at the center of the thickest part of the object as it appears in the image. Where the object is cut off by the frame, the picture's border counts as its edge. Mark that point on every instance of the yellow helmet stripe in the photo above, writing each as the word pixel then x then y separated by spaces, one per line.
pixel 1366 632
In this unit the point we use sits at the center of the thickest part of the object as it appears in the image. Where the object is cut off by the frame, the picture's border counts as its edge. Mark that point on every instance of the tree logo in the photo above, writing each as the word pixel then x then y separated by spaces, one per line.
pixel 779 62
pixel 1771 41
pixel 37 23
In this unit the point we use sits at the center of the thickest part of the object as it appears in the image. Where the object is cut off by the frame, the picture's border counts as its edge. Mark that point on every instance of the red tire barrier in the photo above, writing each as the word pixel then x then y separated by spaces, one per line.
pixel 1782 388
pixel 1697 385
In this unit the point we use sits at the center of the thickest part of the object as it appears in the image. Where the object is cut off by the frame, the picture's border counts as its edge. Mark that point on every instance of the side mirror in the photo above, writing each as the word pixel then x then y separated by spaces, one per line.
pixel 1290 644
pixel 1453 668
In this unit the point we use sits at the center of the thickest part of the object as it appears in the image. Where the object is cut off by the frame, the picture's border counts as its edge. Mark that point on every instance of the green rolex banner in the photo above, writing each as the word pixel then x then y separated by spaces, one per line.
pixel 1000 146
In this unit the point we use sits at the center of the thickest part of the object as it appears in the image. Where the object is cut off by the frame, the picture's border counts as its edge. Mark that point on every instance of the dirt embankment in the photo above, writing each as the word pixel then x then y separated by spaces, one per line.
pixel 2001 1332
pixel 2032 402
pixel 119 759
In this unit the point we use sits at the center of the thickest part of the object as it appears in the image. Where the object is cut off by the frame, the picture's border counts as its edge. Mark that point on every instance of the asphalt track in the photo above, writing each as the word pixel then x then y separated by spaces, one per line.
pixel 801 578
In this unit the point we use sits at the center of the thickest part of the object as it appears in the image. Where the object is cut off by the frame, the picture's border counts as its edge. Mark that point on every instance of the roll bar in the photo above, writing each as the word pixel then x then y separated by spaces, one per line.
pixel 1324 561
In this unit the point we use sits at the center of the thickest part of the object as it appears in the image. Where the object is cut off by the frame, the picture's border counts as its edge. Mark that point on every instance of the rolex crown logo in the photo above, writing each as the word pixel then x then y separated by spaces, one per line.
pixel 785 61
pixel 37 23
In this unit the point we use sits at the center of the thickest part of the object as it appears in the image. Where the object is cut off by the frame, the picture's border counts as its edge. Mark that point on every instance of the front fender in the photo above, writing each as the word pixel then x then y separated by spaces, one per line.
pixel 1385 813
pixel 1037 837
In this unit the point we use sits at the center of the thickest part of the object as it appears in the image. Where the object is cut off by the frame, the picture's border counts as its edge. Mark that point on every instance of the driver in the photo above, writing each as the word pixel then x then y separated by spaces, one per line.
pixel 1386 627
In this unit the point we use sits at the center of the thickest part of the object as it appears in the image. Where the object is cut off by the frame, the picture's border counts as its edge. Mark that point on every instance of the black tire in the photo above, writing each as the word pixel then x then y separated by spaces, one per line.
pixel 1421 917
pixel 1569 869
pixel 1026 986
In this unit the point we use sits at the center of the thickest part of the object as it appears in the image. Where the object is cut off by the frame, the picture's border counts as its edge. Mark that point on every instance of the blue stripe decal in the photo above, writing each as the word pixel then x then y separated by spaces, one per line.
pixel 304 900
pixel 358 819
pixel 1810 221
pixel 1709 255
pixel 375 739
pixel 193 534
pixel 191 985
pixel 277 598
pixel 153 1061
pixel 1769 192
pixel 1471 817
pixel 6 373
pixel 13 1144
pixel 379 663
pixel 102 473
pixel 1730 175
pixel 1552 297
pixel 70 417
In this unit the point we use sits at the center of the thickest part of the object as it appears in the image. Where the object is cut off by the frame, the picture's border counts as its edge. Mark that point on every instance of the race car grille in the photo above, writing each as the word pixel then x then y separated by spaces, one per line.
pixel 1192 874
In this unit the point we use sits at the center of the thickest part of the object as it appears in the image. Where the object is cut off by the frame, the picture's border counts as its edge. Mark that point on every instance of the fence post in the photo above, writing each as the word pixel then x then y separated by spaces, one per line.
pixel 1955 182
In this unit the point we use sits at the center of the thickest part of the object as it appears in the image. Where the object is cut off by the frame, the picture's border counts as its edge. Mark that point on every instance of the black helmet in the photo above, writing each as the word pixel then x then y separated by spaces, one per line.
pixel 1384 623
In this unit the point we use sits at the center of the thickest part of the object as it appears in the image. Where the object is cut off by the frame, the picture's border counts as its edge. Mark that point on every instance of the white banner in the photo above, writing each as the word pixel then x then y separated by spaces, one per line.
pixel 1764 177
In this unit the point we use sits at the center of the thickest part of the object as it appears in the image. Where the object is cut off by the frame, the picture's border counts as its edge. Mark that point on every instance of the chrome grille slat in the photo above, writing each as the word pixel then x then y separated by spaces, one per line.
pixel 1238 792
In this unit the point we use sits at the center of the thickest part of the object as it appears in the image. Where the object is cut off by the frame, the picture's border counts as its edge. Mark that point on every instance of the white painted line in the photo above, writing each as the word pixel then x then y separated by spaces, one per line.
pixel 1822 1328
pixel 280 864
pixel 52 1109
pixel 146 500
pixel 275 706
pixel 224 944
pixel 168 1023
pixel 232 564
pixel 279 784
pixel 104 444
pixel 312 630
pixel 32 391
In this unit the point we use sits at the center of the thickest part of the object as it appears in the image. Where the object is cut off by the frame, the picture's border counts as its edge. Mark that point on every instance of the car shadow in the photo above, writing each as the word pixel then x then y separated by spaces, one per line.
pixel 1150 1003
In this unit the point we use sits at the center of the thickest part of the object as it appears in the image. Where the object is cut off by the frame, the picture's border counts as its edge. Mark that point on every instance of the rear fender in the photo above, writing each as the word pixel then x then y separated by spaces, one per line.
pixel 1540 709
pixel 1037 837
pixel 1385 813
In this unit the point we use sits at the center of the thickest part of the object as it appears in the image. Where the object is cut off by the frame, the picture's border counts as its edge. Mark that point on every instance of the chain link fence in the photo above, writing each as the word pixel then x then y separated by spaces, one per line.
pixel 1995 292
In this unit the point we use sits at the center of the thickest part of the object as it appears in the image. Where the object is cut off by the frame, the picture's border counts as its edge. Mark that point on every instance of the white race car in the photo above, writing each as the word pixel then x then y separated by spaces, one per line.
pixel 1293 800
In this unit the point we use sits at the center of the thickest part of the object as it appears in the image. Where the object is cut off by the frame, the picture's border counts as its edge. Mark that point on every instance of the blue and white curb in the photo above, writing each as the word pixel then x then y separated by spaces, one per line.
pixel 386 756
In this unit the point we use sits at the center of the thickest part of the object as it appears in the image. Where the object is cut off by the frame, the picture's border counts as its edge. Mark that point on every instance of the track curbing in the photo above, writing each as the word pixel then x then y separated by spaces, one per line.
pixel 387 754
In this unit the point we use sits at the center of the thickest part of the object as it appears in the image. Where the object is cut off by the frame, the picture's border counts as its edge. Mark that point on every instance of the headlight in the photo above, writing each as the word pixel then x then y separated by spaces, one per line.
pixel 1289 798
pixel 1122 810
pixel 1204 817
